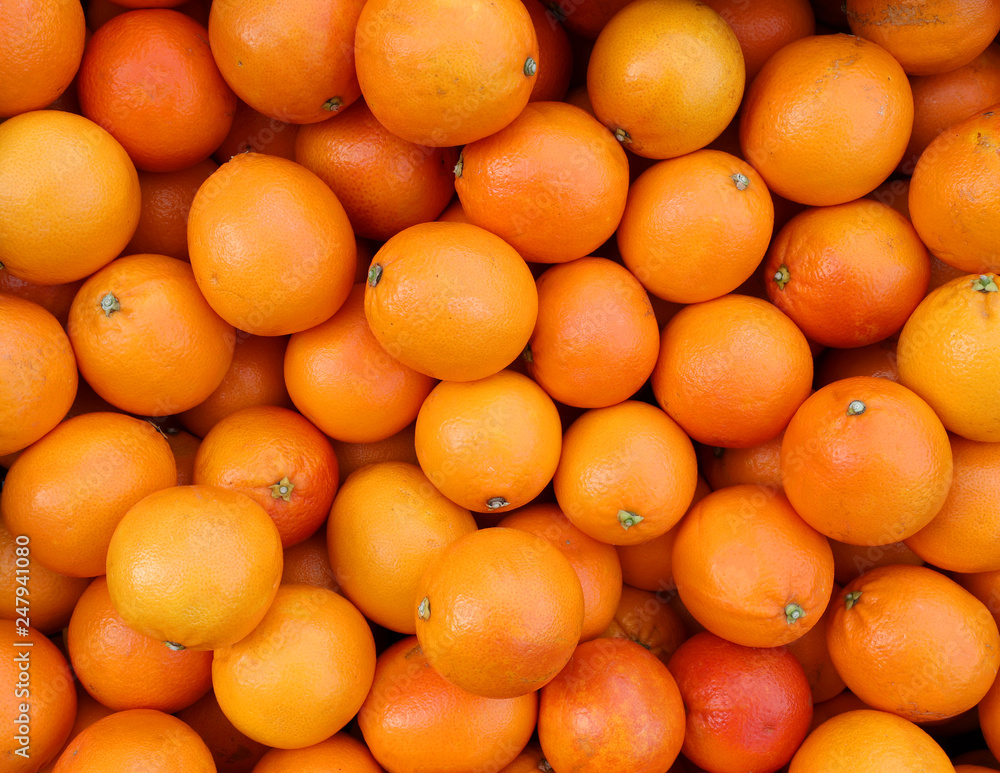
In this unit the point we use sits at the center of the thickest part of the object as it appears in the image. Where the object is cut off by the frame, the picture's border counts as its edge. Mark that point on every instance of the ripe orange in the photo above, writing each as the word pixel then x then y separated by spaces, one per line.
pixel 255 377
pixel 42 44
pixel 985 586
pixel 647 619
pixel 596 563
pixel 184 447
pixel 450 300
pixel 554 52
pixel 137 739
pixel 35 674
pixel 308 562
pixel 585 18
pixel 290 61
pixel 149 78
pixel 749 569
pixel 942 355
pixel 850 561
pixel 277 458
pixel 528 761
pixel 877 360
pixel 813 654
pixel 55 299
pixel 626 474
pixel 907 639
pixel 441 78
pixel 746 708
pixel 387 525
pixel 960 538
pixel 615 706
pixel 848 275
pixel 696 227
pixel 596 339
pixel 552 183
pixel 305 689
pixel 732 371
pixel 414 720
pixel 88 711
pixel 232 751
pixel 385 183
pixel 930 36
pixel 166 200
pixel 124 669
pixel 68 491
pixel 146 339
pixel 177 542
pixel 400 447
pixel 838 153
pixel 338 752
pixel 489 445
pixel 271 246
pixel 864 740
pixel 254 132
pixel 658 60
pixel 989 717
pixel 69 196
pixel 342 380
pixel 504 632
pixel 39 380
pixel 953 194
pixel 758 465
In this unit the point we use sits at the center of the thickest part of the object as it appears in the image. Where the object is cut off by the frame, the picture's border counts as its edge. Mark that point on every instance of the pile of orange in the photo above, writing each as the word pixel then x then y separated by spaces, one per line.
pixel 425 386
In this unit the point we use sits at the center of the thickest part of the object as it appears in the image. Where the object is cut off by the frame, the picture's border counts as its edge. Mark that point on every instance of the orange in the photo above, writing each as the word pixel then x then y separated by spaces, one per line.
pixel 88 711
pixel 138 739
pixel 504 632
pixel 596 339
pixel 942 355
pixel 877 360
pixel 414 720
pixel 850 561
pixel 52 595
pixel 961 537
pixel 255 377
pixel 906 639
pixel 554 52
pixel 895 191
pixel 953 194
pixel 586 18
pixel 400 447
pixel 55 299
pixel 765 27
pixel 848 275
pixel 746 708
pixel 305 690
pixel 596 563
pixel 271 246
pixel 341 379
pixel 649 565
pixel 441 78
pixel 254 132
pixel 42 44
pixel 659 60
pixel 166 200
pixel 867 741
pixel 866 461
pixel 696 227
pixel 450 300
pixel 732 371
pixel 759 465
pixel 985 586
pixel 813 654
pixel 177 542
pixel 149 78
pixel 146 339
pixel 944 99
pixel 528 761
pixel 68 491
pixel 626 474
pixel 338 752
pixel 39 379
pixel 184 447
pixel 552 183
pixel 489 445
pixel 929 36
pixel 989 717
pixel 840 704
pixel 385 183
pixel 36 675
pixel 124 669
pixel 614 707
pixel 308 562
pixel 101 11
pixel 647 619
pixel 387 525
pixel 69 197
pixel 749 569
pixel 290 61
pixel 279 459
pixel 232 751
pixel 454 213
pixel 838 153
